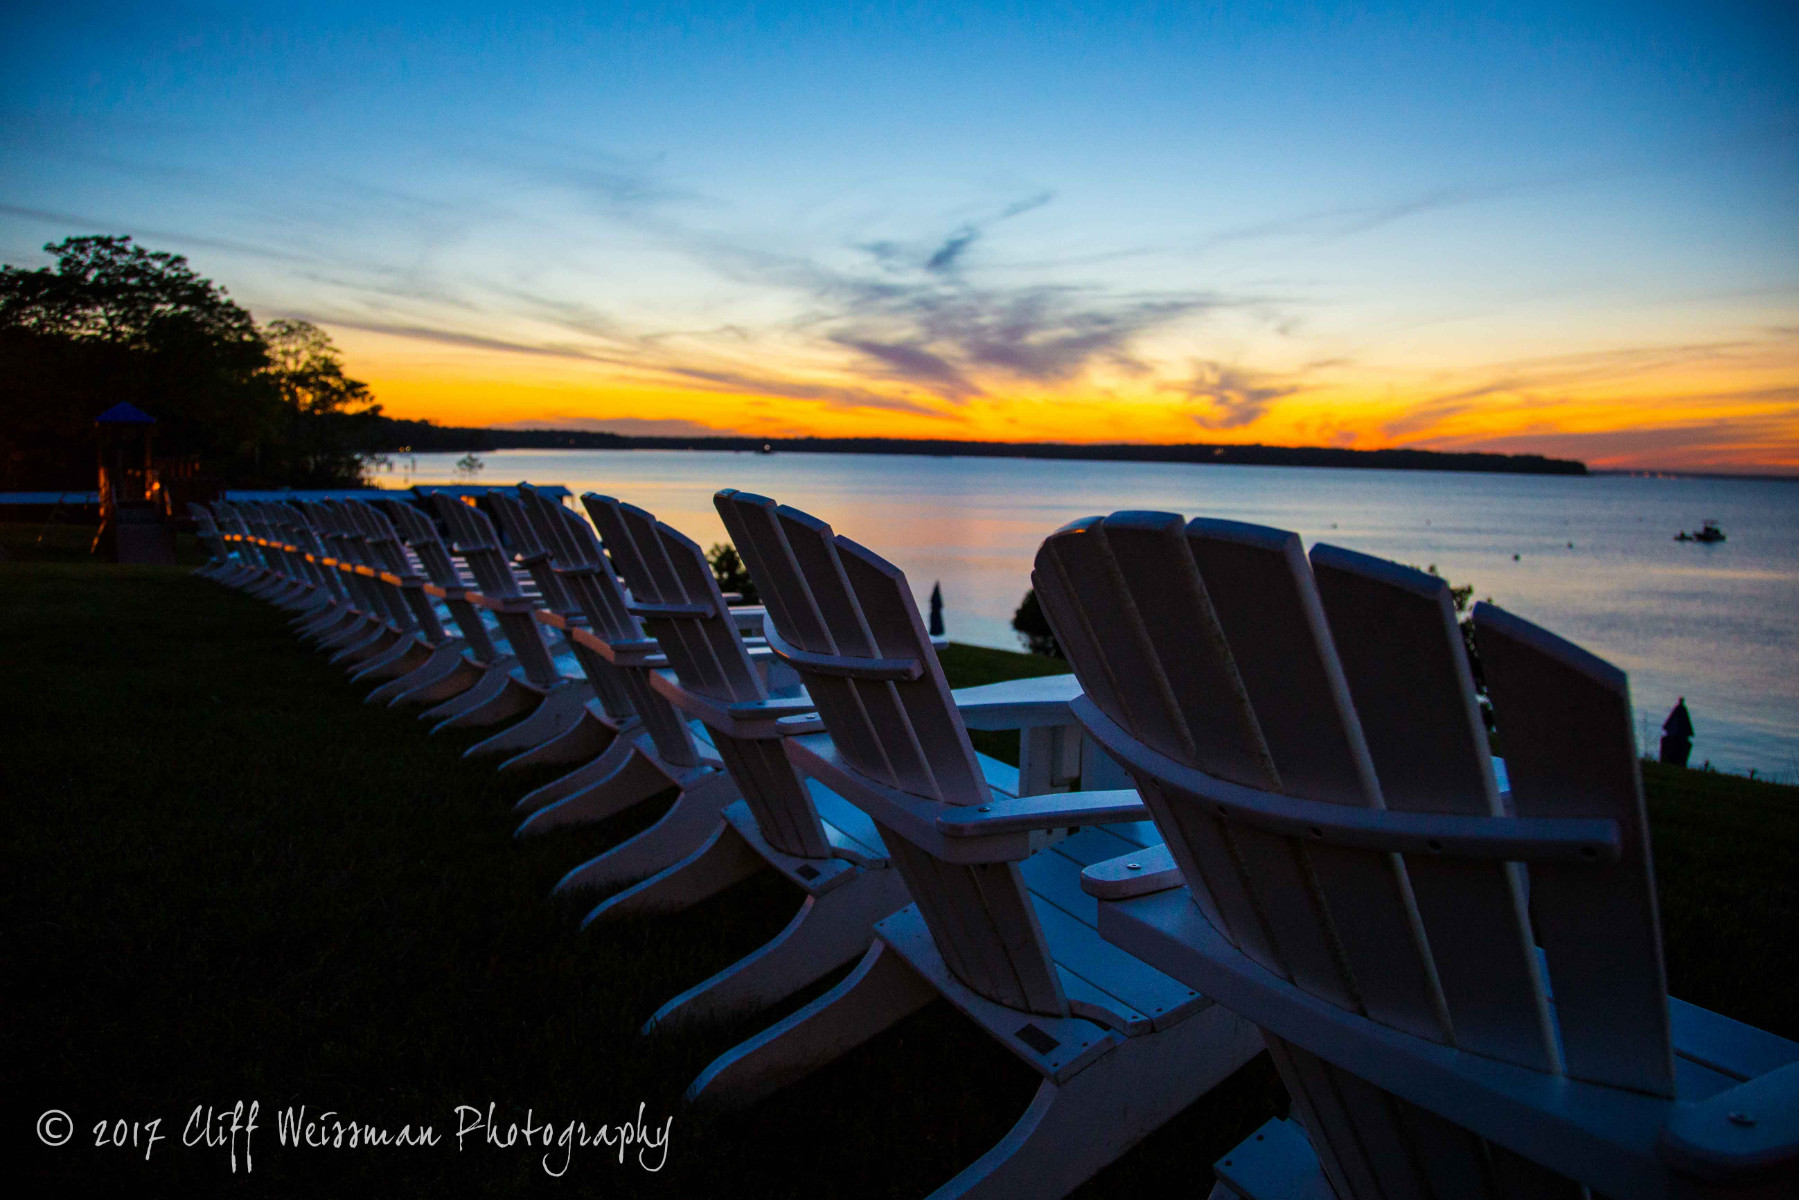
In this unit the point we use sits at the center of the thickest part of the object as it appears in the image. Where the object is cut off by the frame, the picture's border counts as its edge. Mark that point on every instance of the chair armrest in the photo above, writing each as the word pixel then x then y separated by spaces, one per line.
pixel 1151 869
pixel 1748 1132
pixel 774 706
pixel 1050 810
pixel 1018 703
pixel 1725 1045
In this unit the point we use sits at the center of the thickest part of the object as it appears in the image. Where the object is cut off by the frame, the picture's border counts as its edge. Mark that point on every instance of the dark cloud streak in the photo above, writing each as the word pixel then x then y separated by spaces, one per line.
pixel 1234 397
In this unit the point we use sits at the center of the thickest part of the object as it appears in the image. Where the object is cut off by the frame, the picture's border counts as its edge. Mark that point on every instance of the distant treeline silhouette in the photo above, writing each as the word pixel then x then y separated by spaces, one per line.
pixel 426 436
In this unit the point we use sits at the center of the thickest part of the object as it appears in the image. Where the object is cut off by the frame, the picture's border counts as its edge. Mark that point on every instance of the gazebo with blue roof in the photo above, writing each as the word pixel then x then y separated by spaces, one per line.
pixel 134 517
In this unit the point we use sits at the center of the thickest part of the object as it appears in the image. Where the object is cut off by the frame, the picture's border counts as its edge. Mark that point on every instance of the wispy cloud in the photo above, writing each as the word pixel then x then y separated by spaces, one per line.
pixel 1551 382
pixel 66 222
pixel 832 395
pixel 450 337
pixel 1233 397
pixel 610 182
pixel 1756 441
pixel 1335 224
pixel 918 313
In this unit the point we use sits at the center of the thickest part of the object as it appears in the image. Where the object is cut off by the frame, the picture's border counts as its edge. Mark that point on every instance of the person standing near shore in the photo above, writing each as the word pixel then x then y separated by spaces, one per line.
pixel 1677 734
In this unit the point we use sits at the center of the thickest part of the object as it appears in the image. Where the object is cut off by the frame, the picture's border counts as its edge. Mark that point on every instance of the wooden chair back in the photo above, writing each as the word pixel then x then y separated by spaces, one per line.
pixel 846 620
pixel 567 559
pixel 290 525
pixel 321 525
pixel 677 597
pixel 476 540
pixel 420 534
pixel 207 530
pixel 389 551
pixel 1232 676
pixel 533 553
pixel 581 562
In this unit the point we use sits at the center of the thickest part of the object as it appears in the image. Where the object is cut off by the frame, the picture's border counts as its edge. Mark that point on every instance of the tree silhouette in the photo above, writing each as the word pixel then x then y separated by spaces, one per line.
pixel 730 572
pixel 308 371
pixel 107 289
pixel 1033 628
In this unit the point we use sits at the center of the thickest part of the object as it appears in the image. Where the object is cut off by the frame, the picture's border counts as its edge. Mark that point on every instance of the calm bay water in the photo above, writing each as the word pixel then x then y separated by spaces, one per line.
pixel 1595 557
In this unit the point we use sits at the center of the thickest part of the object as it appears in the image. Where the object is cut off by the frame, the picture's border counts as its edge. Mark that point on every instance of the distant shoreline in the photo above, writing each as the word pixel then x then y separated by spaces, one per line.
pixel 427 438
pixel 1673 473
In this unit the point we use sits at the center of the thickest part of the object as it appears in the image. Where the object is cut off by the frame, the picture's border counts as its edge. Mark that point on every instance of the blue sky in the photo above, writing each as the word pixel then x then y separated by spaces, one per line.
pixel 1450 224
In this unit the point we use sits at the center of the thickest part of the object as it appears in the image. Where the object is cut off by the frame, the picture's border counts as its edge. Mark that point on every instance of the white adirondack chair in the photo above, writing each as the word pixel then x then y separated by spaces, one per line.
pixel 462 661
pixel 223 564
pixel 825 846
pixel 637 745
pixel 382 620
pixel 248 566
pixel 557 557
pixel 326 607
pixel 1307 737
pixel 1000 926
pixel 533 678
pixel 280 580
pixel 565 555
pixel 397 574
pixel 572 703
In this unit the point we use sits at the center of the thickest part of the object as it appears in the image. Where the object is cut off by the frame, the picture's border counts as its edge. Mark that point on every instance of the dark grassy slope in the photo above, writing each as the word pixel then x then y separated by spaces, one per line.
pixel 1727 871
pixel 226 879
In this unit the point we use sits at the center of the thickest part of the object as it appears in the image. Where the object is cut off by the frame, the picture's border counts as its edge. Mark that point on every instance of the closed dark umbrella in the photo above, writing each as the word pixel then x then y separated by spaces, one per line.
pixel 1677 734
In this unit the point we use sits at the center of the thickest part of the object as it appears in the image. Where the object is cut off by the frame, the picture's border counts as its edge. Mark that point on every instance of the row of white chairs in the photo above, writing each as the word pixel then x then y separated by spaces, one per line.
pixel 1261 812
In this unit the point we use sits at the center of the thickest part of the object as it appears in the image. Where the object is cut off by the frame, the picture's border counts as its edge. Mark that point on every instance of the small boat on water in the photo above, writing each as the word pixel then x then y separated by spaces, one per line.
pixel 1708 532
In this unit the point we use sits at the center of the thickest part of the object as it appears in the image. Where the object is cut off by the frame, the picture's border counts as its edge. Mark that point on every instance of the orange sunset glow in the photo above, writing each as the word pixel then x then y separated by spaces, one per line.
pixel 1725 408
pixel 1557 230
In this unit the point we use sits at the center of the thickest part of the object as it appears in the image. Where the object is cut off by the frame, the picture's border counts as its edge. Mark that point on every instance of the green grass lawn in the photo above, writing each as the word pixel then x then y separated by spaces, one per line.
pixel 226 878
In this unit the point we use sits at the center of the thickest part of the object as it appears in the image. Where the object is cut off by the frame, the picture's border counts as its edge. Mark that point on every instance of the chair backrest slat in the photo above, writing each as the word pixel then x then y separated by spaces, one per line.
pixel 1374 1146
pixel 349 543
pixel 756 530
pixel 478 542
pixel 1570 751
pixel 208 531
pixel 420 533
pixel 588 574
pixel 921 743
pixel 592 585
pixel 1408 671
pixel 300 526
pixel 1095 623
pixel 1139 693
